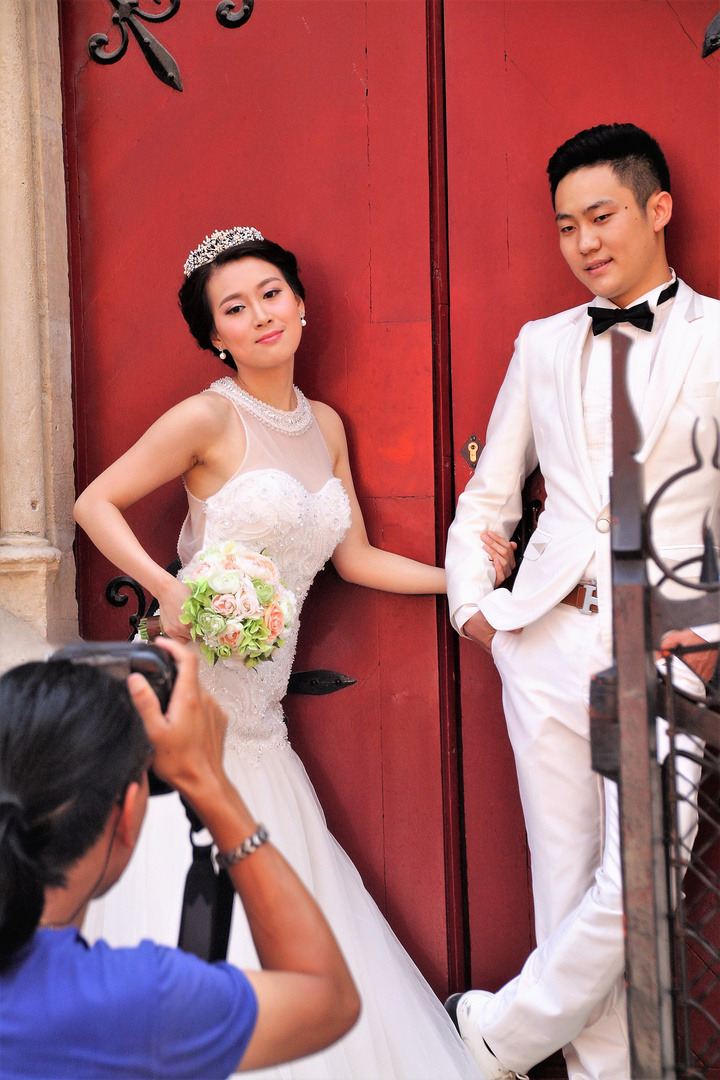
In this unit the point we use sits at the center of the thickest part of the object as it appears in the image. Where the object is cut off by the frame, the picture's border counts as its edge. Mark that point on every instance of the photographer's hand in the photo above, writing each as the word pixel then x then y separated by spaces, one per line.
pixel 188 738
pixel 306 996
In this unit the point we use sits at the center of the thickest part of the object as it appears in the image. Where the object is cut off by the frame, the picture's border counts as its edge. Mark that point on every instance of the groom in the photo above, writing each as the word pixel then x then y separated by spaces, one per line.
pixel 610 188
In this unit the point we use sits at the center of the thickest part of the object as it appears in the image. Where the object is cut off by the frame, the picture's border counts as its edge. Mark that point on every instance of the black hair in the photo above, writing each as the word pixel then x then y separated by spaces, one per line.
pixel 70 743
pixel 634 156
pixel 194 302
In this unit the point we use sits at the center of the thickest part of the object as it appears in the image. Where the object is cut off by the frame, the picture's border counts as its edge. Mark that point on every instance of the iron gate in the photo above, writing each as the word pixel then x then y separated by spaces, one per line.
pixel 671 887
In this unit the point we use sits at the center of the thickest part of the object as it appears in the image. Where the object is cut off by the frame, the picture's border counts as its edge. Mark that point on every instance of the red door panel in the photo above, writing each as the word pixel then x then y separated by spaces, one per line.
pixel 521 78
pixel 309 122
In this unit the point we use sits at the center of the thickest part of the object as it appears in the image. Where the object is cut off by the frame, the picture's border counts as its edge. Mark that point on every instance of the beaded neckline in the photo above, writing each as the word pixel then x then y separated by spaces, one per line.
pixel 295 422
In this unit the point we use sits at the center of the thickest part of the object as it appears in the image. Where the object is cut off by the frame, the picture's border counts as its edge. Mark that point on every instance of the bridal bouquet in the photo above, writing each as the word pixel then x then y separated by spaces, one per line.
pixel 238 606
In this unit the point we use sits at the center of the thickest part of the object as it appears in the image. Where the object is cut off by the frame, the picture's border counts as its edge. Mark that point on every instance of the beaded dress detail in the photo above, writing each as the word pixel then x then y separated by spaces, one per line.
pixel 284 501
pixel 295 517
pixel 293 422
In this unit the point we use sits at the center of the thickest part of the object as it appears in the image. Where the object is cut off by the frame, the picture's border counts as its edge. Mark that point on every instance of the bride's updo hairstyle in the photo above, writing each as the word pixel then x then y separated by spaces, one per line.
pixel 194 302
pixel 70 743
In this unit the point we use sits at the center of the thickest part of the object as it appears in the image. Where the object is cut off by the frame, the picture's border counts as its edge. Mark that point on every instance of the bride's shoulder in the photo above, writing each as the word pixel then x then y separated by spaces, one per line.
pixel 202 415
pixel 205 406
pixel 325 414
pixel 329 423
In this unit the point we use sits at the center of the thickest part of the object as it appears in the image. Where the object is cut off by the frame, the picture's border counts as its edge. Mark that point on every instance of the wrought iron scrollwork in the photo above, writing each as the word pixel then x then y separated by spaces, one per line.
pixel 669 573
pixel 228 17
pixel 712 37
pixel 127 14
pixel 114 595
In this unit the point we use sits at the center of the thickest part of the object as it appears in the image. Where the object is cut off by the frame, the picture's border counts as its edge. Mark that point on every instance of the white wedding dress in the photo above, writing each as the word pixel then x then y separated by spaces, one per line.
pixel 285 502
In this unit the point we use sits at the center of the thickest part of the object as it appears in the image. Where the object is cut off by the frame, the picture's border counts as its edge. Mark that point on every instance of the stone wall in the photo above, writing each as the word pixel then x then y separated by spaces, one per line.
pixel 37 570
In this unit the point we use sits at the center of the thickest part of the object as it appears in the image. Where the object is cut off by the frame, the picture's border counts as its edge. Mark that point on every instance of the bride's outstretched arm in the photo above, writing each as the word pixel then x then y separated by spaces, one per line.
pixel 176 443
pixel 356 559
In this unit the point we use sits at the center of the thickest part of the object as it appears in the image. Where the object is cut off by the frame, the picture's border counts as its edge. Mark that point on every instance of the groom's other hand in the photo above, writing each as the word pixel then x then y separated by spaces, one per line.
pixel 702 663
pixel 479 629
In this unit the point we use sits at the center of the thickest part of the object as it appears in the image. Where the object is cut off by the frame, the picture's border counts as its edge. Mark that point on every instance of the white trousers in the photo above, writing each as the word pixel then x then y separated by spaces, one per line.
pixel 570 992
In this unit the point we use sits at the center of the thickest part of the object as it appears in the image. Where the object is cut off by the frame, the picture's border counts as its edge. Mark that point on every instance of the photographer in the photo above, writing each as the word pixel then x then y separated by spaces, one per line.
pixel 73 791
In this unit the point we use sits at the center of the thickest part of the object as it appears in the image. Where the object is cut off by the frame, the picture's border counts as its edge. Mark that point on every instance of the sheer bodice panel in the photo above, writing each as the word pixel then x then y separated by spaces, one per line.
pixel 284 502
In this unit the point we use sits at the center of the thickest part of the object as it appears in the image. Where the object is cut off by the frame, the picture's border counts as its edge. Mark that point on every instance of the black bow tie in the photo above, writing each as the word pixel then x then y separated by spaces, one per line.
pixel 640 315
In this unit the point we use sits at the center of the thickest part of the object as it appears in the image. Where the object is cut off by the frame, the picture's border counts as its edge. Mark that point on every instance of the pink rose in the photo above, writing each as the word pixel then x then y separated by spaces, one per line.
pixel 258 566
pixel 201 570
pixel 247 605
pixel 223 604
pixel 274 620
pixel 233 633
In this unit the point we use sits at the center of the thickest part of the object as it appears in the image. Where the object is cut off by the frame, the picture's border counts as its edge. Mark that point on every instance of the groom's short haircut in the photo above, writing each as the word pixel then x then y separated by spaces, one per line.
pixel 634 156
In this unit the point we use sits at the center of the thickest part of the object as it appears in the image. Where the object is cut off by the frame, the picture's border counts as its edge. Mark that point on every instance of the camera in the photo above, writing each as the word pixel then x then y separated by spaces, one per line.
pixel 120 659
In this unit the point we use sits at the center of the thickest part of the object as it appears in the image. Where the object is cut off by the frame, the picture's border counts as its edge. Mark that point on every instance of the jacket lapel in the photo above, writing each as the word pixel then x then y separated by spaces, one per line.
pixel 679 344
pixel 568 359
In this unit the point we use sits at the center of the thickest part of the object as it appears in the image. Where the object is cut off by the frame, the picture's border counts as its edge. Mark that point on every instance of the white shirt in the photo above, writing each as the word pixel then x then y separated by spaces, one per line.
pixel 597 384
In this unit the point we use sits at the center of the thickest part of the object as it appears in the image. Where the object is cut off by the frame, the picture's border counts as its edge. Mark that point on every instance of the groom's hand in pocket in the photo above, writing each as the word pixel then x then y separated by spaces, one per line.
pixel 478 629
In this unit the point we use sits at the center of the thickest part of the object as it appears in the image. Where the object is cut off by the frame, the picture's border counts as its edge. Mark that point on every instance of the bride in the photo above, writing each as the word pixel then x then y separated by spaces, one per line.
pixel 266 467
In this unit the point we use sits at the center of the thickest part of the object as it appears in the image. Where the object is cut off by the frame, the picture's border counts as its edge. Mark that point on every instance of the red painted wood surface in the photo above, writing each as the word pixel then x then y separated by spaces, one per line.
pixel 309 122
pixel 521 78
pixel 450 742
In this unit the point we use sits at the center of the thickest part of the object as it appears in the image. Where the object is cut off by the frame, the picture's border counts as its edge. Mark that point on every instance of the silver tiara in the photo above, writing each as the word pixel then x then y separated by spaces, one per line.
pixel 220 240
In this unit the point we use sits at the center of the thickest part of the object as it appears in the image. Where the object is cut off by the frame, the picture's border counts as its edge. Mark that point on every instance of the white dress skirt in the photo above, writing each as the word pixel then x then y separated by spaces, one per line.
pixel 285 502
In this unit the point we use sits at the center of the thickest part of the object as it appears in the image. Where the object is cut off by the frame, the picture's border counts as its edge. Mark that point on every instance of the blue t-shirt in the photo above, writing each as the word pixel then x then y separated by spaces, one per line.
pixel 68 1010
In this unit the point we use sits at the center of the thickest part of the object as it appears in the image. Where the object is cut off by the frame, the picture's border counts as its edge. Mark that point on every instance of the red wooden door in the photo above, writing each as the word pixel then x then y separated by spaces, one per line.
pixel 309 122
pixel 521 78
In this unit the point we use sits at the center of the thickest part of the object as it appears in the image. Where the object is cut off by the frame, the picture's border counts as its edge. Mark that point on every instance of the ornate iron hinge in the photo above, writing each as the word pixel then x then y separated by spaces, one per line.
pixel 712 37
pixel 128 14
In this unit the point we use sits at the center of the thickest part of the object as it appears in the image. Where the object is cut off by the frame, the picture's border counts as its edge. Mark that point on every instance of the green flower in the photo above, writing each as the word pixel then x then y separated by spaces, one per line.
pixel 264 590
pixel 209 624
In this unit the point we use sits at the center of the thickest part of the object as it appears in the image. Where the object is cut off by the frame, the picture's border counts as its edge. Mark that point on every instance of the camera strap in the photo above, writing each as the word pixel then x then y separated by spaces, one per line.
pixel 207 901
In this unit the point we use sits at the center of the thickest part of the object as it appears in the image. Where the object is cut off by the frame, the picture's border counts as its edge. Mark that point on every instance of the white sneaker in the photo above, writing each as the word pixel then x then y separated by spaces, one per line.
pixel 470 1009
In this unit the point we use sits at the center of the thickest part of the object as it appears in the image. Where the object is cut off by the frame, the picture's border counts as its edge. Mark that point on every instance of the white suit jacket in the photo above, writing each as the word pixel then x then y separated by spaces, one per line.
pixel 538 419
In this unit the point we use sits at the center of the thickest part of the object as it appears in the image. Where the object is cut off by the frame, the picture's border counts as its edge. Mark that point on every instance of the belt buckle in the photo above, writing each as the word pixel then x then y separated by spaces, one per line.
pixel 590 597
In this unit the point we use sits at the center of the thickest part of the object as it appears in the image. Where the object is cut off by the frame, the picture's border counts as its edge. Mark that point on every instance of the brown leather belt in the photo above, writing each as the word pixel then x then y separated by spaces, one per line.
pixel 583 597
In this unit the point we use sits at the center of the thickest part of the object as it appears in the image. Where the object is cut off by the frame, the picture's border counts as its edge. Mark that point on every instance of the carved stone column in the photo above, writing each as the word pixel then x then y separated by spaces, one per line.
pixel 36 442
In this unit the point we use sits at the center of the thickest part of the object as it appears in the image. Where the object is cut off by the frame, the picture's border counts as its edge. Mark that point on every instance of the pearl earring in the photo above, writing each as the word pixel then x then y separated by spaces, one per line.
pixel 303 320
pixel 222 354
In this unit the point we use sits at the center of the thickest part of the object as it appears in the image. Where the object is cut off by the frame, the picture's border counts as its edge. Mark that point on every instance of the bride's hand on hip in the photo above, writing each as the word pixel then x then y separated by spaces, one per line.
pixel 174 595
